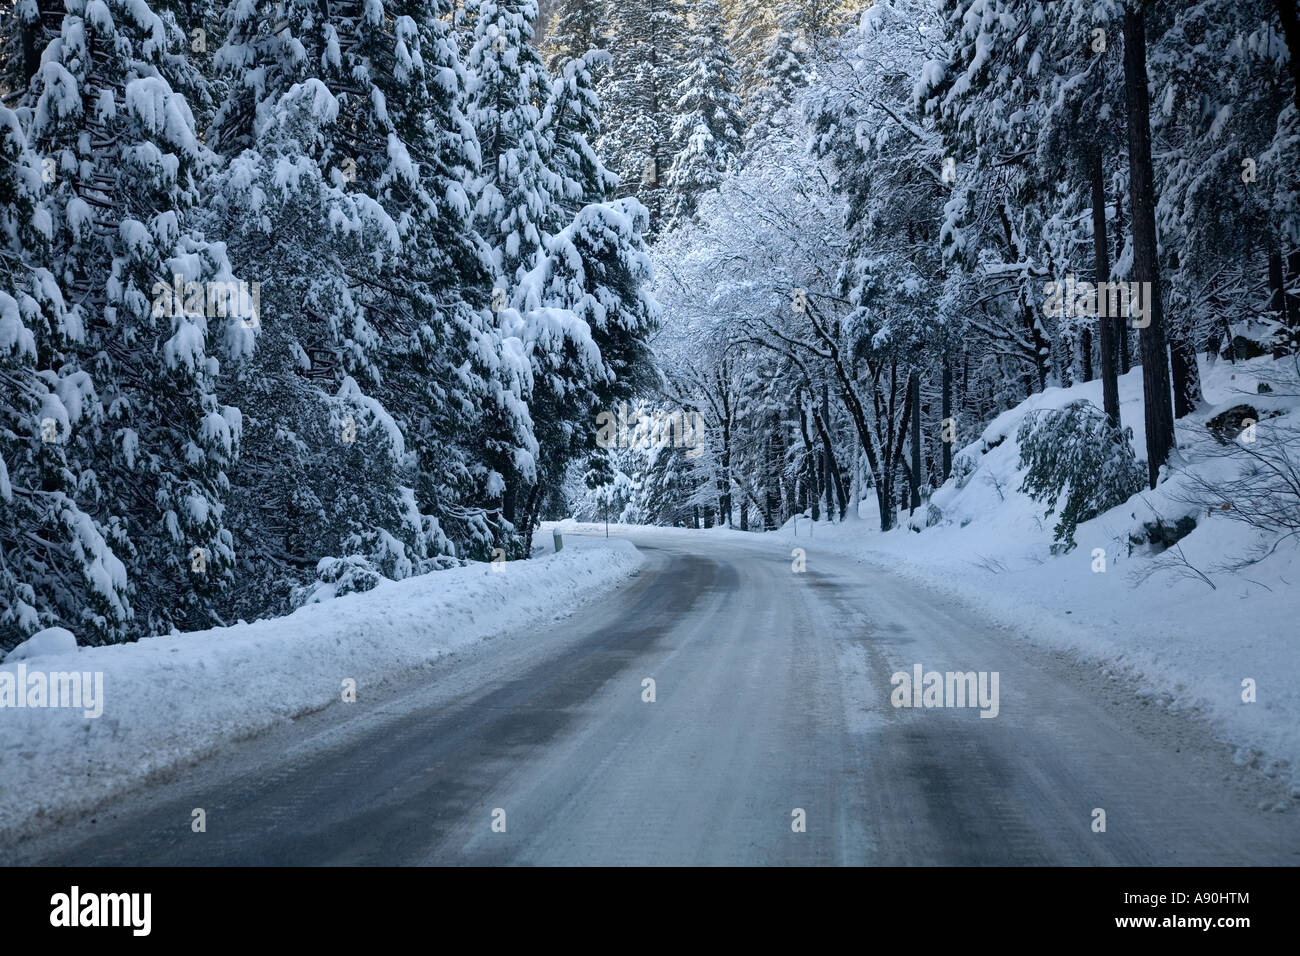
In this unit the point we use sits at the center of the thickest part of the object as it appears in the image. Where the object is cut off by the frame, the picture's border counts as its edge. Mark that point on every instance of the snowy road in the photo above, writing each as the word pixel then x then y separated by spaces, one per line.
pixel 772 695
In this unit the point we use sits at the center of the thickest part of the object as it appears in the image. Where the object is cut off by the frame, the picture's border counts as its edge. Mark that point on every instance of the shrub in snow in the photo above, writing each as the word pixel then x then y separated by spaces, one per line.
pixel 1076 453
pixel 339 576
pixel 52 640
pixel 962 468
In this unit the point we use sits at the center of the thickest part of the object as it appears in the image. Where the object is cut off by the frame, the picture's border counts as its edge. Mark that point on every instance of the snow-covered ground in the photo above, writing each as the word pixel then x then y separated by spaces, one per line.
pixel 1190 641
pixel 169 700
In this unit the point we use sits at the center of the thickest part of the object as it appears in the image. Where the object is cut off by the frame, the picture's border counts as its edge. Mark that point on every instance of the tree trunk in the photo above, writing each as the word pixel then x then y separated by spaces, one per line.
pixel 724 479
pixel 1277 303
pixel 1106 324
pixel 1146 271
pixel 946 414
pixel 1187 376
pixel 508 502
pixel 878 466
pixel 530 516
pixel 1121 321
pixel 1289 15
pixel 834 477
pixel 914 383
pixel 811 494
pixel 1293 301
pixel 827 456
pixel 775 460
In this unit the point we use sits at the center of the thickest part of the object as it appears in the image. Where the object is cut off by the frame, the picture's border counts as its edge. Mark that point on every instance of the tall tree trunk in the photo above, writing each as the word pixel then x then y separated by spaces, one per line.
pixel 817 470
pixel 1186 373
pixel 530 516
pixel 724 479
pixel 508 502
pixel 810 458
pixel 895 439
pixel 914 383
pixel 1187 376
pixel 1277 303
pixel 828 456
pixel 1146 269
pixel 1106 328
pixel 834 477
pixel 1289 14
pixel 775 465
pixel 946 414
pixel 1121 321
pixel 878 464
pixel 1293 301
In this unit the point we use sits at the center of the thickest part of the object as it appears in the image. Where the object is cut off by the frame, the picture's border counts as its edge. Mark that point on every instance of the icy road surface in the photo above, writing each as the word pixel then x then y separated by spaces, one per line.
pixel 772 695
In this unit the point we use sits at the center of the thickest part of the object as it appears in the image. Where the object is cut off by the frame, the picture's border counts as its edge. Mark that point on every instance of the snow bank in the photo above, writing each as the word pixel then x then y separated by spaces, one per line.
pixel 171 699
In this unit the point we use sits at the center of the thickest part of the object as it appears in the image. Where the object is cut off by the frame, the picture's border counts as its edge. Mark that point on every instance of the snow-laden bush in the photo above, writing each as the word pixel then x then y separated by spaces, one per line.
pixel 337 576
pixel 1075 453
pixel 962 468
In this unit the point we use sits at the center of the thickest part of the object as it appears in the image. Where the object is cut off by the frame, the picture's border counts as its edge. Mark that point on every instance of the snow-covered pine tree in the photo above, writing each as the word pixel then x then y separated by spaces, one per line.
pixel 59 566
pixel 517 206
pixel 584 312
pixel 151 294
pixel 441 349
pixel 26 28
pixel 571 122
pixel 517 196
pixel 577 28
pixel 780 75
pixel 1225 190
pixel 355 208
pixel 649 60
pixel 1018 82
pixel 324 476
pixel 750 26
pixel 576 55
pixel 708 132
